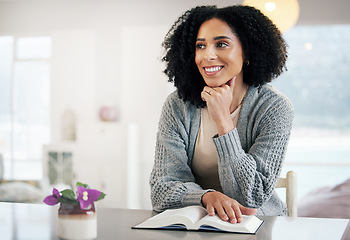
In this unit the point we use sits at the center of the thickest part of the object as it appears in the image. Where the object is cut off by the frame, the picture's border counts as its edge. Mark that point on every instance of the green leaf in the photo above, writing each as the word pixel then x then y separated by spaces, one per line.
pixel 68 201
pixel 68 194
pixel 83 185
pixel 102 196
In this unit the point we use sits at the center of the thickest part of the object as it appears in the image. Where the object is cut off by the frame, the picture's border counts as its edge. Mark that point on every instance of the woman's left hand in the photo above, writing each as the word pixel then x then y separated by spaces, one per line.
pixel 219 100
pixel 228 209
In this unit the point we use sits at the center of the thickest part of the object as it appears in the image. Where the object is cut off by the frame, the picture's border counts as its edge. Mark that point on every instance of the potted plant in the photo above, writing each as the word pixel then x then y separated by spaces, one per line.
pixel 77 213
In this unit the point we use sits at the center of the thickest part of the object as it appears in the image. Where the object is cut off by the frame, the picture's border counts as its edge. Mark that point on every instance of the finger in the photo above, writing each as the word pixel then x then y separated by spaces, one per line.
pixel 208 90
pixel 210 210
pixel 221 213
pixel 204 95
pixel 247 211
pixel 238 212
pixel 231 82
pixel 231 214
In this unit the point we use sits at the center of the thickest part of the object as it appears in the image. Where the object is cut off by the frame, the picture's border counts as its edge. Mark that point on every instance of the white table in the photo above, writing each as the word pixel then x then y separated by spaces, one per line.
pixel 39 221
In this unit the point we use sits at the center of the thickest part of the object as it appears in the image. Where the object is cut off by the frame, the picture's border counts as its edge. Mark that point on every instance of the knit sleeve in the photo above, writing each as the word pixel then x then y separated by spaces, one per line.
pixel 250 176
pixel 172 182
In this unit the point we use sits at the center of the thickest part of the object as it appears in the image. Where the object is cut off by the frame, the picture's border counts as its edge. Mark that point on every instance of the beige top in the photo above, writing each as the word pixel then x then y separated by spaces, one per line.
pixel 205 160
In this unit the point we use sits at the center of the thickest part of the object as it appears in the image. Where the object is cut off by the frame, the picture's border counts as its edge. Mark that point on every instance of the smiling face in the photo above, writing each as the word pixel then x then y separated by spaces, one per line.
pixel 219 54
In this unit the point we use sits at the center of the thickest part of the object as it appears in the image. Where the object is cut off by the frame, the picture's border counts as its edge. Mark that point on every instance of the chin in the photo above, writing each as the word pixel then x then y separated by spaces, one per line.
pixel 213 84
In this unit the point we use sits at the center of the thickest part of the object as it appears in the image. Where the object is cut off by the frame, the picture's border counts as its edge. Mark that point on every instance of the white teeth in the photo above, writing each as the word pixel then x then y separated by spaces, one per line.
pixel 212 69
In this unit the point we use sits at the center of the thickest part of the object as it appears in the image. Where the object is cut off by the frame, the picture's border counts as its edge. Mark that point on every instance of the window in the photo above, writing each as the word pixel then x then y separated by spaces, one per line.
pixel 317 82
pixel 25 104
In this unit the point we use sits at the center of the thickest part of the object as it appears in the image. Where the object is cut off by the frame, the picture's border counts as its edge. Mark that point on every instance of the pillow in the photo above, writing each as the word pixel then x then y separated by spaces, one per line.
pixel 327 202
pixel 20 192
pixel 1 167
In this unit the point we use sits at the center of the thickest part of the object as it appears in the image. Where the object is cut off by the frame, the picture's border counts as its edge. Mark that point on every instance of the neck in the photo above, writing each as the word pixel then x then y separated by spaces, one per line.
pixel 238 95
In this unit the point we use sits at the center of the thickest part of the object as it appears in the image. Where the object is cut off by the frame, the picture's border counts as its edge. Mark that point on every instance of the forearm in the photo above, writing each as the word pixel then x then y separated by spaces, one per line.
pixel 225 125
pixel 172 182
pixel 246 177
pixel 174 194
pixel 250 171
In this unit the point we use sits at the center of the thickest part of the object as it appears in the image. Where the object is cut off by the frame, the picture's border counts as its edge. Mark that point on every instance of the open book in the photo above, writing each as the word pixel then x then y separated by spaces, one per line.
pixel 197 218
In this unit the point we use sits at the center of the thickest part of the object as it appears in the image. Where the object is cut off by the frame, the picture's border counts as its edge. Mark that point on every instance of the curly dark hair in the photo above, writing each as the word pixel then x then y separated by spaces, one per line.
pixel 264 49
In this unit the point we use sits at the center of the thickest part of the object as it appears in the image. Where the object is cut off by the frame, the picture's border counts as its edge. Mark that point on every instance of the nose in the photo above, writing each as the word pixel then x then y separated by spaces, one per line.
pixel 210 54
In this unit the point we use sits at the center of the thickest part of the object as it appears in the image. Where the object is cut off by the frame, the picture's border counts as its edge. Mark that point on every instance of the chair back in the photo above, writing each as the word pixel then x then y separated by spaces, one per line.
pixel 290 183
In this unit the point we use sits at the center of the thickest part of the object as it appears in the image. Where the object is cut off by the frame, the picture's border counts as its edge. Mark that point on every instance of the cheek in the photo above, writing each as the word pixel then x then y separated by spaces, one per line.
pixel 236 60
pixel 197 60
pixel 196 57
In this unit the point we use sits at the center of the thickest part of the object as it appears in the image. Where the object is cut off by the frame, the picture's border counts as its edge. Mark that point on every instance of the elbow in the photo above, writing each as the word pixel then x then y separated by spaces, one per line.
pixel 158 199
pixel 158 204
pixel 157 208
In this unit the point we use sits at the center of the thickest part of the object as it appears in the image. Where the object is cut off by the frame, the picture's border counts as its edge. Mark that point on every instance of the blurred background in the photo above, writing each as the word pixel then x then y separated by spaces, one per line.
pixel 81 90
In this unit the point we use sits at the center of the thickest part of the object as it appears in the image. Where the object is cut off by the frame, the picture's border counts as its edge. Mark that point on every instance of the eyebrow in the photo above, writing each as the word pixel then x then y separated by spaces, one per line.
pixel 215 38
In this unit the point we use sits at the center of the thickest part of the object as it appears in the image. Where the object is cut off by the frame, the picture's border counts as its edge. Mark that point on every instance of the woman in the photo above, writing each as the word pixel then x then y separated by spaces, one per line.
pixel 223 134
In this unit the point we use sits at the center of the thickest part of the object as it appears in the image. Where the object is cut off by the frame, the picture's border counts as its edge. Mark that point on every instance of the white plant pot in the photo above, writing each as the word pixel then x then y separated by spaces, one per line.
pixel 76 224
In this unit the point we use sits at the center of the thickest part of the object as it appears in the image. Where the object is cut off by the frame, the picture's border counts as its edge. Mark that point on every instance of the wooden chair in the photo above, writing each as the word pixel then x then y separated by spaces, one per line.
pixel 290 183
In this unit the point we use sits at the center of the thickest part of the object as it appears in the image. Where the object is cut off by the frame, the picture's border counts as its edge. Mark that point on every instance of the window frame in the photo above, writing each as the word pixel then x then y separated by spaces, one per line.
pixel 9 172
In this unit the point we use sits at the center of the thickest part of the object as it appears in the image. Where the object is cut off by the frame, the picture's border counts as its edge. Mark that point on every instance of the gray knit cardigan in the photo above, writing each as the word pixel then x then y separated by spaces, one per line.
pixel 250 156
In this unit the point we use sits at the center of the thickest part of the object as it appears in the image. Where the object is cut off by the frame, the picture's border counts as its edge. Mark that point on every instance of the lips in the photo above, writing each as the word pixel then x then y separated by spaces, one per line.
pixel 212 70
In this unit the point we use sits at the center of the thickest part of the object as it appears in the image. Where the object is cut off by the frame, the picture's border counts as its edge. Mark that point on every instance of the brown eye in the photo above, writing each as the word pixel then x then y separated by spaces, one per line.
pixel 200 46
pixel 222 45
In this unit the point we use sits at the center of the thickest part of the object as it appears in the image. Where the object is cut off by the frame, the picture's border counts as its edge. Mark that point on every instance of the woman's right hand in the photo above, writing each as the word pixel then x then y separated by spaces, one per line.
pixel 227 208
pixel 219 100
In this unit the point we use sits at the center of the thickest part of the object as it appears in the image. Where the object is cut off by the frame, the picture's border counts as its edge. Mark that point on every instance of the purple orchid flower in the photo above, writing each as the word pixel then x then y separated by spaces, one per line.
pixel 87 196
pixel 54 198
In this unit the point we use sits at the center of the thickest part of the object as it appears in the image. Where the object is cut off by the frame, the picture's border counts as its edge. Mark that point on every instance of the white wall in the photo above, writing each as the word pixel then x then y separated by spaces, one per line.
pixel 73 77
pixel 144 89
pixel 107 52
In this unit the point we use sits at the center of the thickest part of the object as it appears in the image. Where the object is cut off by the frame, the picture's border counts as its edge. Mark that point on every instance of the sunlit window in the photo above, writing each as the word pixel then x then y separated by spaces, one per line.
pixel 317 82
pixel 25 104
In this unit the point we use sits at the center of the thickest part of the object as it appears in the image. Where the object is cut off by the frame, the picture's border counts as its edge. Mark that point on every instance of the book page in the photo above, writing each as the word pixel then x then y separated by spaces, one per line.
pixel 193 213
pixel 249 224
pixel 197 218
pixel 175 218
